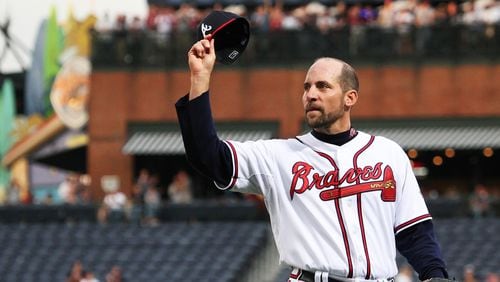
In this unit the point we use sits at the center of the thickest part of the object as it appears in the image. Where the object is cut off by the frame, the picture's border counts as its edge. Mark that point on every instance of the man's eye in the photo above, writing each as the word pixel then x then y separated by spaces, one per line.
pixel 322 85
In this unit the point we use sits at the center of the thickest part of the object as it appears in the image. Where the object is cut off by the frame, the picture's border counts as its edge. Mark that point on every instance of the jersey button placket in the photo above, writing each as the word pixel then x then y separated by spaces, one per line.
pixel 354 228
pixel 356 245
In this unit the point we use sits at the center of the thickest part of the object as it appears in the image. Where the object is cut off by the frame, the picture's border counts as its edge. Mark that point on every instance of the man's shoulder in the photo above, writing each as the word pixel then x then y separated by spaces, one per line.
pixel 280 142
pixel 382 140
pixel 271 146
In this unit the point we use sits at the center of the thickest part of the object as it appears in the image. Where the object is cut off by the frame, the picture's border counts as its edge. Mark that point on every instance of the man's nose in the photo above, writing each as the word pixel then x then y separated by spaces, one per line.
pixel 311 94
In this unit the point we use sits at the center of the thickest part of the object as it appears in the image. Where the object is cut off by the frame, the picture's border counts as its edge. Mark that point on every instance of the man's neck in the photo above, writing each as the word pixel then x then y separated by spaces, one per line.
pixel 338 139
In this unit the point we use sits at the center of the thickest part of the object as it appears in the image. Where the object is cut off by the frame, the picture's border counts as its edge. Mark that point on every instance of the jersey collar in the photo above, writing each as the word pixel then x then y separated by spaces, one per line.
pixel 338 139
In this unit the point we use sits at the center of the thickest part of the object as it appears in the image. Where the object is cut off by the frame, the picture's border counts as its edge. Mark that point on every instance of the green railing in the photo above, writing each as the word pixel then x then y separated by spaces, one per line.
pixel 357 44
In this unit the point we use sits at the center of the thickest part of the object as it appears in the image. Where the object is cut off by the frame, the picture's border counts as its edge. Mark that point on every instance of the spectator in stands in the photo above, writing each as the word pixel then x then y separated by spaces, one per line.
pixel 325 22
pixel 276 16
pixel 386 15
pixel 76 272
pixel 405 274
pixel 469 273
pixel 153 12
pixel 88 276
pixel 291 21
pixel 135 40
pixel 104 24
pixel 13 193
pixel 260 19
pixel 120 33
pixel 492 277
pixel 152 202
pixel 115 274
pixel 451 192
pixel 179 190
pixel 113 207
pixel 187 19
pixel 259 23
pixel 138 191
pixel 164 22
pixel 47 200
pixel 452 12
pixel 404 20
pixel 68 190
pixel 358 29
pixel 424 19
pixel 339 13
pixel 84 194
pixel 480 202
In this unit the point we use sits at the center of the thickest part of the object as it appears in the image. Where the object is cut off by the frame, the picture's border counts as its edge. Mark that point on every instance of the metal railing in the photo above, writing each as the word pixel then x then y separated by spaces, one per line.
pixel 359 44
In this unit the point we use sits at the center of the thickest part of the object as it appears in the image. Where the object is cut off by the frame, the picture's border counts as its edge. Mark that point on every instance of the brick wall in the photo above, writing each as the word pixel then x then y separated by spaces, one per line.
pixel 119 97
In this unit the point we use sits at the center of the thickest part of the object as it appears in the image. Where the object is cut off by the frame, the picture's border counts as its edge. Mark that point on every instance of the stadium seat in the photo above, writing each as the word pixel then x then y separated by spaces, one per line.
pixel 171 251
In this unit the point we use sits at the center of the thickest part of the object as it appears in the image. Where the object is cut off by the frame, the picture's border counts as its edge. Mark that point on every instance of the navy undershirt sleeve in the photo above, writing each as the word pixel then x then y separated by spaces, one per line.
pixel 204 150
pixel 419 245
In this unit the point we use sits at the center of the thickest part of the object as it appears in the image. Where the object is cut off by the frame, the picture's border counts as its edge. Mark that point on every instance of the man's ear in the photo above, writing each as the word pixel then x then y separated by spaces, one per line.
pixel 350 98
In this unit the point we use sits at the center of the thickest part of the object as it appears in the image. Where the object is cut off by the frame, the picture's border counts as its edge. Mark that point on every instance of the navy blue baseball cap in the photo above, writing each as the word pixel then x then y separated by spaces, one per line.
pixel 231 33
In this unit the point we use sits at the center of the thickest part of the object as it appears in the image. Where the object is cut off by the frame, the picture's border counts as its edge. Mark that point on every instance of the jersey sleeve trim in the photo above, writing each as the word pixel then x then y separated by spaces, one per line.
pixel 234 177
pixel 411 222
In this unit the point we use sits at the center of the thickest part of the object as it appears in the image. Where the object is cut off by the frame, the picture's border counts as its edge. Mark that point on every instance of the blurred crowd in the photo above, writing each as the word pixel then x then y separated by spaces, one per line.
pixel 148 194
pixel 394 27
pixel 479 198
pixel 398 14
pixel 138 204
pixel 407 274
pixel 78 273
pixel 143 205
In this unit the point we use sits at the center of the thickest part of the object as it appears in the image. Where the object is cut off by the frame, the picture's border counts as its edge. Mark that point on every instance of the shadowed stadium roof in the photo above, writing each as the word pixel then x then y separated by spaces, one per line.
pixel 437 134
pixel 67 151
pixel 166 139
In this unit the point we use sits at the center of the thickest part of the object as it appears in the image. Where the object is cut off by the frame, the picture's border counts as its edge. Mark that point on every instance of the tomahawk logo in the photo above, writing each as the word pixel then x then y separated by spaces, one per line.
pixel 205 28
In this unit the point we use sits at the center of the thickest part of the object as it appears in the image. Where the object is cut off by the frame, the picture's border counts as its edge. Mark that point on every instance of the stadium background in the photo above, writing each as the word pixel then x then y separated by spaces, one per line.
pixel 433 88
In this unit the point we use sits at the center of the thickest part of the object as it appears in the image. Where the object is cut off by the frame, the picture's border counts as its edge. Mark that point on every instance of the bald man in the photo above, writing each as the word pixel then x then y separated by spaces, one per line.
pixel 341 202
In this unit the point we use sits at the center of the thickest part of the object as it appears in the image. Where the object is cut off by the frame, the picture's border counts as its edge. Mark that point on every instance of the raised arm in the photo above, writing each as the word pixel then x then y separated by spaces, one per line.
pixel 204 150
pixel 201 58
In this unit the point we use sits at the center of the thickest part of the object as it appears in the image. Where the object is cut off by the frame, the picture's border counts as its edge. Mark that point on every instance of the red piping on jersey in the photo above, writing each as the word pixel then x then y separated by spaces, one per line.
pixel 360 210
pixel 344 235
pixel 339 216
pixel 410 222
pixel 235 164
pixel 363 236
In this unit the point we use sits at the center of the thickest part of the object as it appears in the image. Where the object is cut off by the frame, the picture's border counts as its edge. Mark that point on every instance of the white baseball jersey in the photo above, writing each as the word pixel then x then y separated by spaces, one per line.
pixel 333 208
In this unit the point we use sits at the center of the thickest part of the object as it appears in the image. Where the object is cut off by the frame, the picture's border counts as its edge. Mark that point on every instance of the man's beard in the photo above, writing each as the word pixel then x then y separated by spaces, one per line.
pixel 324 121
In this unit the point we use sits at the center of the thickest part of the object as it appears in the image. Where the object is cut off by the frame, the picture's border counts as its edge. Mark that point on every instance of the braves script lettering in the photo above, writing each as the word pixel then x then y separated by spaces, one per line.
pixel 305 179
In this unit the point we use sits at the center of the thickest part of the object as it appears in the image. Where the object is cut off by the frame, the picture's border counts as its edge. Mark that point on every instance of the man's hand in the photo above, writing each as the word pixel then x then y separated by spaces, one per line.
pixel 201 58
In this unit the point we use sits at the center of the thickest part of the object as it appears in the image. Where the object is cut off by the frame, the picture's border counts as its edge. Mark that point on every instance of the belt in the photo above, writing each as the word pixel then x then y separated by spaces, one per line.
pixel 319 276
pixel 311 277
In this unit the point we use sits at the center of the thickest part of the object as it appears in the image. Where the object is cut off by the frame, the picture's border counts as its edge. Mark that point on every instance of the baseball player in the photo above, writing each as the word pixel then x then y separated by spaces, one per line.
pixel 341 201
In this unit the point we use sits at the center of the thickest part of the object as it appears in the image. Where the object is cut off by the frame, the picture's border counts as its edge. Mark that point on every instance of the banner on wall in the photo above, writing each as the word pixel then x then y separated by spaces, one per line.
pixel 7 117
pixel 70 92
